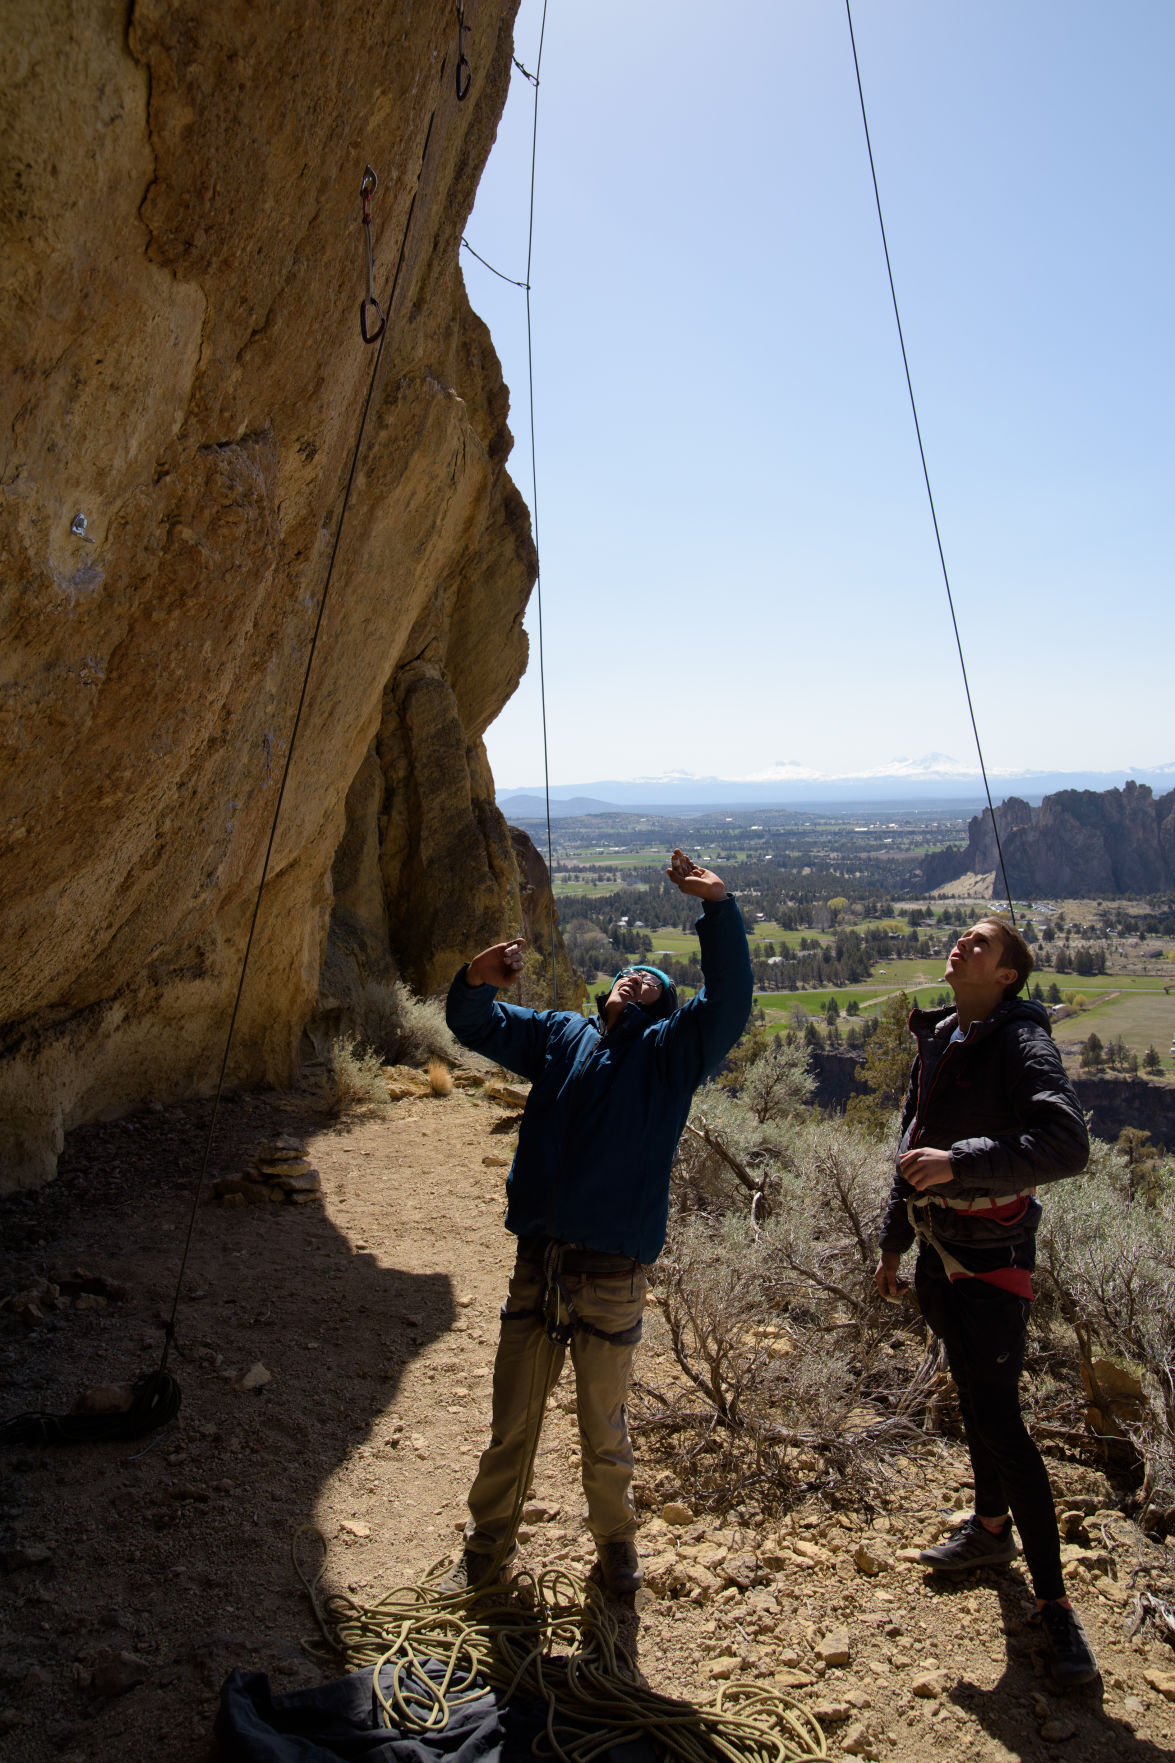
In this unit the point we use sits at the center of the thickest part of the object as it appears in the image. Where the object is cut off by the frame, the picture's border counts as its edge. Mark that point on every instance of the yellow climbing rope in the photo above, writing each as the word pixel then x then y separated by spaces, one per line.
pixel 548 1638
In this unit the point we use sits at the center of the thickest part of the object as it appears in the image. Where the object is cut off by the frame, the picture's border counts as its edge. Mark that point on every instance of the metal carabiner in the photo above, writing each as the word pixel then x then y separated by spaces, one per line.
pixel 366 190
pixel 462 58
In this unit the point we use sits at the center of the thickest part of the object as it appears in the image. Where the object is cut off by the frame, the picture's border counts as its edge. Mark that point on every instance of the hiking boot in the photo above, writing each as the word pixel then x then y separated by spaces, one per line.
pixel 1071 1657
pixel 474 1569
pixel 619 1568
pixel 971 1545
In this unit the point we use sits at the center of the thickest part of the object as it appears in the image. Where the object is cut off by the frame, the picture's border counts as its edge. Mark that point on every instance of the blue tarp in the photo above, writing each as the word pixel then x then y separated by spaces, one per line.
pixel 335 1722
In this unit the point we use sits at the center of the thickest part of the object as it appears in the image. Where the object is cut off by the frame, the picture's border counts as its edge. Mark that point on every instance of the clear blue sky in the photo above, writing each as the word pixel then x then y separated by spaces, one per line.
pixel 738 563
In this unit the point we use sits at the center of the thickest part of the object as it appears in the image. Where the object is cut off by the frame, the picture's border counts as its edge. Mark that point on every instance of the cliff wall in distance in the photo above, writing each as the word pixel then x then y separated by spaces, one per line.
pixel 1078 843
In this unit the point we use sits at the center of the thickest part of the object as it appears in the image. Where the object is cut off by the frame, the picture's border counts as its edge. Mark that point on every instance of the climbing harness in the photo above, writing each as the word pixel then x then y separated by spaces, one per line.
pixel 463 67
pixel 366 190
pixel 556 1307
pixel 920 1206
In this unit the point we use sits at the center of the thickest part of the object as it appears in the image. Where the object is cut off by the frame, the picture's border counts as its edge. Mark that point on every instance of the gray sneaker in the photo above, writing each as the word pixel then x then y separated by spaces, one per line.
pixel 619 1568
pixel 971 1545
pixel 1071 1658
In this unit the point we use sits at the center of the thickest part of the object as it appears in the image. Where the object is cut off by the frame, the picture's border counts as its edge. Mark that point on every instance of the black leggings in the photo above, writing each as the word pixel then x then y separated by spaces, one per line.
pixel 983 1329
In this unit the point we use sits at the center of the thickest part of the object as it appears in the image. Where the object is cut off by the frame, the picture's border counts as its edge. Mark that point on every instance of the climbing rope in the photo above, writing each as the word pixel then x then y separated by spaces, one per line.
pixel 534 487
pixel 548 1638
pixel 155 1399
pixel 366 189
pixel 925 470
pixel 525 284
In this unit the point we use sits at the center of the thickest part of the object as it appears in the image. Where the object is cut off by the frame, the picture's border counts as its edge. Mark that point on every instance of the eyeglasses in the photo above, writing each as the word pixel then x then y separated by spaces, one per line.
pixel 642 973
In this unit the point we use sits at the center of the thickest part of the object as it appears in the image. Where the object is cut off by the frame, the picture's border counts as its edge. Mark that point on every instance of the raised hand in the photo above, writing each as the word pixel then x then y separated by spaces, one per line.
pixel 499 965
pixel 691 878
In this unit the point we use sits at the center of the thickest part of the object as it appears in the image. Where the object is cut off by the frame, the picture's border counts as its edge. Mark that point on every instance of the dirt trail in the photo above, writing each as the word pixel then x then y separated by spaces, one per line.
pixel 153 1568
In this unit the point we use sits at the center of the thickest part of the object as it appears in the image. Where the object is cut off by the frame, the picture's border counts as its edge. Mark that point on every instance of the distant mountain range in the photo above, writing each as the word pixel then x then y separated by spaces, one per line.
pixel 934 779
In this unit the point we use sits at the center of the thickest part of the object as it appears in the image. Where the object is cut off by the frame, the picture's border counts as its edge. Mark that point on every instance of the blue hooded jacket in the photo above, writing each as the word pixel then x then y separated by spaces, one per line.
pixel 606 1110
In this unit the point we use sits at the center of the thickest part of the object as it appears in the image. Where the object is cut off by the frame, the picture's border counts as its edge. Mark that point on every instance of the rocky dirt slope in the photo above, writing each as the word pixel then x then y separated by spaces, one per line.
pixel 135 1576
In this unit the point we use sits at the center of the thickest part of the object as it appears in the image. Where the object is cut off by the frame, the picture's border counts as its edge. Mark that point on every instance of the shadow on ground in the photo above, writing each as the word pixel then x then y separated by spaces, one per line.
pixel 161 1564
pixel 1074 1725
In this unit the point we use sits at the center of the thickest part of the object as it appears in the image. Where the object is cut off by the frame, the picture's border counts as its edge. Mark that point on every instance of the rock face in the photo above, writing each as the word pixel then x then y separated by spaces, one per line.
pixel 183 389
pixel 1078 842
pixel 537 912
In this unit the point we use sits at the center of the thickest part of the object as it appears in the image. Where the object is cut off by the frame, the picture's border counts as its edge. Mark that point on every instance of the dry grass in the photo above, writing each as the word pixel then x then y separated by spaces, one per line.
pixel 440 1078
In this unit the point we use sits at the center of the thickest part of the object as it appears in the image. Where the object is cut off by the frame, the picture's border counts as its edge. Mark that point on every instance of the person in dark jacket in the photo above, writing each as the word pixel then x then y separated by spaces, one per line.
pixel 989 1117
pixel 588 1199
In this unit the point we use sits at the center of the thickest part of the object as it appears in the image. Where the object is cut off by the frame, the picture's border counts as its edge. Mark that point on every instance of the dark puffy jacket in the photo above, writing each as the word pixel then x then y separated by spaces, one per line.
pixel 1000 1103
pixel 606 1110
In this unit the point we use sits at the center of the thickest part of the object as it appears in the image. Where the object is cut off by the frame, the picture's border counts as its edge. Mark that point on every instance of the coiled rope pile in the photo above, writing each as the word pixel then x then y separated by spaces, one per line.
pixel 551 1639
pixel 548 1638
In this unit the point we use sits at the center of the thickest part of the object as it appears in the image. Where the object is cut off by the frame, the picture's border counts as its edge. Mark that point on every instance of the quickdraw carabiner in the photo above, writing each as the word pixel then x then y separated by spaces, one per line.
pixel 463 67
pixel 366 190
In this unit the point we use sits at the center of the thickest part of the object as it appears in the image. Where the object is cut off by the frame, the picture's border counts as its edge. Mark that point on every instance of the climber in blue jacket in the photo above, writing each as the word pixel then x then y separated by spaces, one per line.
pixel 588 1199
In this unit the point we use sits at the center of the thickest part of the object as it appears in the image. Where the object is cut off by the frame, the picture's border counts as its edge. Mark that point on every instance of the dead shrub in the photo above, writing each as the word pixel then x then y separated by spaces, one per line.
pixel 791 1372
pixel 1106 1253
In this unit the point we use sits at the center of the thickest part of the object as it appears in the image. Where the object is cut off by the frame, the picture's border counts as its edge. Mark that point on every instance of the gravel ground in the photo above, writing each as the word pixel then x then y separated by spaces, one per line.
pixel 133 1577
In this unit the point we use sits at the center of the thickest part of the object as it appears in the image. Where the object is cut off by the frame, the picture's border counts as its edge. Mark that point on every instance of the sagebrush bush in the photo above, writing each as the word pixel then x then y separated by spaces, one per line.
pixel 1107 1259
pixel 350 1078
pixel 791 1376
pixel 406 1029
pixel 778 1085
pixel 796 1373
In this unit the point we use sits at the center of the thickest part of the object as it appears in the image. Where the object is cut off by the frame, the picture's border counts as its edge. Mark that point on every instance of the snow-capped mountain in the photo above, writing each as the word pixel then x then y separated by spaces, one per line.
pixel 932 777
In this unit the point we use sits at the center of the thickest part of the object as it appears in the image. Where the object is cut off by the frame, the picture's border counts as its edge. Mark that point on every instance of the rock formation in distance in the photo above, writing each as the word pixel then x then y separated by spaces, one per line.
pixel 183 384
pixel 1078 843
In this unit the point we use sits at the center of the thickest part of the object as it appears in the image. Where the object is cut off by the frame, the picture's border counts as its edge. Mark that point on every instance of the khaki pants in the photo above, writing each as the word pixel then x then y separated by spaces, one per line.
pixel 526 1366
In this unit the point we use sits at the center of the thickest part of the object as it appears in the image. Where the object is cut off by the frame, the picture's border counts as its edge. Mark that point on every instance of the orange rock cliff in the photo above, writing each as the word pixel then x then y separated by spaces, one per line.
pixel 182 271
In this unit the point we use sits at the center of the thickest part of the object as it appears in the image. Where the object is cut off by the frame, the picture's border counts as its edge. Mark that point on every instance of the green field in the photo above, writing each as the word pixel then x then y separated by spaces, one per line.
pixel 1143 1018
pixel 779 1005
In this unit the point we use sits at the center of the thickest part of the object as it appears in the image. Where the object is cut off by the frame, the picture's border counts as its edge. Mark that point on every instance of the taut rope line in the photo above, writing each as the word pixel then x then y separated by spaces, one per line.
pixel 925 472
pixel 534 486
